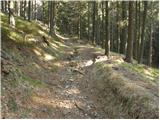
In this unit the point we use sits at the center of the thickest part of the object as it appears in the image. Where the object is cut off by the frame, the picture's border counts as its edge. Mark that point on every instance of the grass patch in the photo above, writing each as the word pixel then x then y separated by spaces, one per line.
pixel 145 71
pixel 22 28
pixel 12 105
pixel 33 82
pixel 124 97
pixel 25 113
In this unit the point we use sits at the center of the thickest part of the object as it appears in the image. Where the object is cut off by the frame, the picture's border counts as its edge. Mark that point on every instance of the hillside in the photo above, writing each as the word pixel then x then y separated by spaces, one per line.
pixel 61 80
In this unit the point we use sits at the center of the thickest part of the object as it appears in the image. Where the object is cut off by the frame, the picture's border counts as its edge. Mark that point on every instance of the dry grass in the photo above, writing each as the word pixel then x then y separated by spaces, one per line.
pixel 125 98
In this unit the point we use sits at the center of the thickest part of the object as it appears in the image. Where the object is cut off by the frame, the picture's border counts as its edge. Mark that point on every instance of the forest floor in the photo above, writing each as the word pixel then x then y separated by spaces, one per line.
pixel 60 80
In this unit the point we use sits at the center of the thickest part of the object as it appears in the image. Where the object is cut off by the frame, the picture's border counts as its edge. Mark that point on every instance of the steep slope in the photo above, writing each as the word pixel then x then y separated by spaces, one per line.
pixel 26 63
pixel 61 81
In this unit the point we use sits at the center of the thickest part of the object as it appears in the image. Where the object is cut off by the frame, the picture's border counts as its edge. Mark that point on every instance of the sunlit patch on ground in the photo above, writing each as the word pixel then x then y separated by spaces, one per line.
pixel 48 57
pixel 54 102
pixel 37 52
pixel 54 45
pixel 88 63
pixel 64 38
pixel 73 91
pixel 58 64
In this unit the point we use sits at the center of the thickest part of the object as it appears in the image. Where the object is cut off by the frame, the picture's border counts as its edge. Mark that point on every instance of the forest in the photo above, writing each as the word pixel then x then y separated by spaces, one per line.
pixel 79 59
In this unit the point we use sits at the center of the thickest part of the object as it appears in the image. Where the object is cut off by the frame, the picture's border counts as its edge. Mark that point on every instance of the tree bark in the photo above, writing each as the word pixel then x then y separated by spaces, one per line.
pixel 94 22
pixel 6 6
pixel 43 4
pixel 107 43
pixel 150 47
pixel 88 21
pixel 52 18
pixel 112 36
pixel 103 26
pixel 117 29
pixel 21 8
pixel 79 27
pixel 143 31
pixel 16 7
pixel 24 9
pixel 29 11
pixel 35 9
pixel 124 30
pixel 139 30
pixel 11 13
pixel 48 13
pixel 32 13
pixel 97 32
pixel 130 34
pixel 135 32
pixel 2 6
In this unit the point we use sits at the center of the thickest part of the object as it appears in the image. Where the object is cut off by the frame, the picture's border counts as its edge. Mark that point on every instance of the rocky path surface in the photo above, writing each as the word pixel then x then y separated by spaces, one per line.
pixel 69 94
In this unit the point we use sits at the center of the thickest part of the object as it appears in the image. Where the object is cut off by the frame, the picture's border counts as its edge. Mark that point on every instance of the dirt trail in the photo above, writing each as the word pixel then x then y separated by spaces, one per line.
pixel 69 90
pixel 69 95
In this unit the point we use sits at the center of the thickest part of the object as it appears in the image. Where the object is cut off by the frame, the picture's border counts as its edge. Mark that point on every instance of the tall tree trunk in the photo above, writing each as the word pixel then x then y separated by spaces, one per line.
pixel 139 30
pixel 135 32
pixel 97 32
pixel 130 34
pixel 103 26
pixel 16 7
pixel 29 11
pixel 11 14
pixel 107 43
pixel 32 13
pixel 21 8
pixel 2 6
pixel 6 6
pixel 49 13
pixel 52 18
pixel 43 4
pixel 150 47
pixel 143 31
pixel 117 29
pixel 88 21
pixel 35 9
pixel 94 22
pixel 112 36
pixel 24 9
pixel 79 27
pixel 124 30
